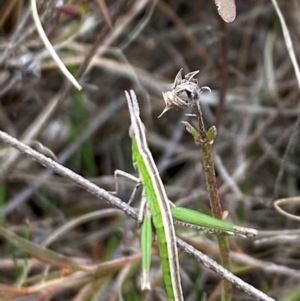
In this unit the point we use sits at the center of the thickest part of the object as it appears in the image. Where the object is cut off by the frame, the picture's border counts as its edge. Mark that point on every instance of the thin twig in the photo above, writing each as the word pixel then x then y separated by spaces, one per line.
pixel 224 273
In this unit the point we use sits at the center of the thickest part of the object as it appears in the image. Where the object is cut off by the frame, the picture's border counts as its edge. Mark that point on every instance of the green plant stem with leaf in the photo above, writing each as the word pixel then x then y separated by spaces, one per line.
pixel 207 152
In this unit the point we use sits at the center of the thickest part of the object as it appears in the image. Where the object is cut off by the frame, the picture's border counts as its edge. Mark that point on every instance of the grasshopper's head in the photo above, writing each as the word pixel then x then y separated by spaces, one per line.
pixel 133 130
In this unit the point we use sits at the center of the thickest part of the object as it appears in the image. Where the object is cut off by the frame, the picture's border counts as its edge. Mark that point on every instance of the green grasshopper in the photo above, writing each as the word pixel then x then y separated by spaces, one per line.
pixel 157 203
pixel 156 209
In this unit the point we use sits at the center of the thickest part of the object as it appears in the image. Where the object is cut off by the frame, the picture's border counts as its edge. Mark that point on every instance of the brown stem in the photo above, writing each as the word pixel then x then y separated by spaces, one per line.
pixel 215 203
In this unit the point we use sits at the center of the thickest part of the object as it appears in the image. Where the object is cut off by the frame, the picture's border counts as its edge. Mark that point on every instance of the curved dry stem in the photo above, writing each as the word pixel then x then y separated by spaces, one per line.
pixel 287 201
pixel 50 48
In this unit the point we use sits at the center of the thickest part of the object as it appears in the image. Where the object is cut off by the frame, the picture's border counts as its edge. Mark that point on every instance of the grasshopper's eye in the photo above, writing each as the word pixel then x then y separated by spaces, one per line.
pixel 131 132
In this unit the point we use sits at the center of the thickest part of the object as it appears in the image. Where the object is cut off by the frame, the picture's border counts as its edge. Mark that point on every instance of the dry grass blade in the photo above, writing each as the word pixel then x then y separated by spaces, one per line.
pixel 41 253
pixel 50 48
pixel 287 201
pixel 105 12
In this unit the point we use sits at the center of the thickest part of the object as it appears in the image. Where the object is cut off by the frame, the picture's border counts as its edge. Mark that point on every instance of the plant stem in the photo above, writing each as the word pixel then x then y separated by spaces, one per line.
pixel 206 146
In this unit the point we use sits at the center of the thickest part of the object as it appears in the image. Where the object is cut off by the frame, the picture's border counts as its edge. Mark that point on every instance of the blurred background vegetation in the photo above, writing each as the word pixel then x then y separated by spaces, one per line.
pixel 117 45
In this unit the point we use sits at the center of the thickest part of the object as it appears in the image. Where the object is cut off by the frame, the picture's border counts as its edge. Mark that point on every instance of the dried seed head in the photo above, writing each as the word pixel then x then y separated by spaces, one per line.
pixel 178 79
pixel 184 92
pixel 190 77
pixel 172 101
